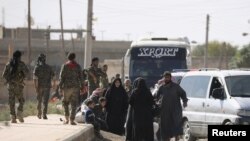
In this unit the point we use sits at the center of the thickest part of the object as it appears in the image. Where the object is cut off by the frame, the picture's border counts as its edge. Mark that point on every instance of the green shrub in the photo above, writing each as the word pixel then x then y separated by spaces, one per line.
pixel 4 114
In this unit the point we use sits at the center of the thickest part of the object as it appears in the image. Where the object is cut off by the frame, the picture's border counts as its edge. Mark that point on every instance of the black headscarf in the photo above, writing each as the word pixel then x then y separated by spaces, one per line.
pixel 113 84
pixel 115 92
pixel 135 83
pixel 140 86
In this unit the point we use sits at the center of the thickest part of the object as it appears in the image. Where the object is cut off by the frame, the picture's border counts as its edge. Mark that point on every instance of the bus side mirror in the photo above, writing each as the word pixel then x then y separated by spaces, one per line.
pixel 218 93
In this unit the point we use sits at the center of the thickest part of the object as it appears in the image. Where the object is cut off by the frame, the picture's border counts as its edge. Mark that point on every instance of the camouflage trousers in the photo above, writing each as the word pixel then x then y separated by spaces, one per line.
pixel 15 92
pixel 70 96
pixel 43 97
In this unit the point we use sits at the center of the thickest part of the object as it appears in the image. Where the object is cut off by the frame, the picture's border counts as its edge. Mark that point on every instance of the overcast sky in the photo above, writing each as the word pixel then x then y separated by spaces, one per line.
pixel 131 19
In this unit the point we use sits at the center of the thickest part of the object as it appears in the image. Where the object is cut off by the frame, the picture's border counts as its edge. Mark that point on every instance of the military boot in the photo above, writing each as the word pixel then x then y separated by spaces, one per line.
pixel 66 120
pixel 39 116
pixel 72 122
pixel 45 116
pixel 13 119
pixel 20 116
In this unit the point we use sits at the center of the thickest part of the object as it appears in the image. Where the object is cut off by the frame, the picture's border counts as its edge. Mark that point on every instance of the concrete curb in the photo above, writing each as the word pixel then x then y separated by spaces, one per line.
pixel 86 134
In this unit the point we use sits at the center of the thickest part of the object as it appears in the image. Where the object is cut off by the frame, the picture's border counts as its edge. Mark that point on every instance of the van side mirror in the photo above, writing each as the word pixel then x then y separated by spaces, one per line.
pixel 218 93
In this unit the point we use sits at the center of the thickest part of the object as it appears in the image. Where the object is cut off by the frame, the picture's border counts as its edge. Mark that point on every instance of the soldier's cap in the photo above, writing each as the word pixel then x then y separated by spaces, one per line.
pixel 95 59
pixel 17 54
pixel 167 73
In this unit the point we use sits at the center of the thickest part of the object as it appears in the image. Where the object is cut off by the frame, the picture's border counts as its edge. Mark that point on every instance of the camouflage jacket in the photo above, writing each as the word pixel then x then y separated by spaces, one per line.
pixel 18 76
pixel 104 80
pixel 44 74
pixel 71 75
pixel 97 72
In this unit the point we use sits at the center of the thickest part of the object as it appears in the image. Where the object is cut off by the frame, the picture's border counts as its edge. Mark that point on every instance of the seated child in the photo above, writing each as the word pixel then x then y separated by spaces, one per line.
pixel 90 117
pixel 100 113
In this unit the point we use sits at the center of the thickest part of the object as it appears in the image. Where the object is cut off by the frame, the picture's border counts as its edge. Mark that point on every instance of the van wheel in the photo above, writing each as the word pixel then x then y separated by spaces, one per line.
pixel 228 123
pixel 187 136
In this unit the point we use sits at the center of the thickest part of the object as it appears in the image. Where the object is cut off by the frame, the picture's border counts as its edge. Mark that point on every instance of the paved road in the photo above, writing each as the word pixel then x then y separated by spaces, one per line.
pixel 112 137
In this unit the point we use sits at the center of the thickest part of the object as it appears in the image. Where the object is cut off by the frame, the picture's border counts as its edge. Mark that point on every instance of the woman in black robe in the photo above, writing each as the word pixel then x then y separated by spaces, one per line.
pixel 140 119
pixel 117 105
pixel 129 115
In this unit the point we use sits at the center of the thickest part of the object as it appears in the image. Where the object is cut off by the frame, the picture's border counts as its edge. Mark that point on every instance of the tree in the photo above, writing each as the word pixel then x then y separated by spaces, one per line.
pixel 215 49
pixel 242 58
pixel 220 54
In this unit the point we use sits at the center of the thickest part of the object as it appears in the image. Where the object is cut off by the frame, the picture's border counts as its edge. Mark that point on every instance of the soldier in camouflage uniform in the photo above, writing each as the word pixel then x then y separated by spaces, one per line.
pixel 42 76
pixel 104 77
pixel 71 84
pixel 14 73
pixel 94 74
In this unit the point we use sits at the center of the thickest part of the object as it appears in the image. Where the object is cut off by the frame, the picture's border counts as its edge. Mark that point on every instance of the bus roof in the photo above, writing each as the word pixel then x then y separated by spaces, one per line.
pixel 161 41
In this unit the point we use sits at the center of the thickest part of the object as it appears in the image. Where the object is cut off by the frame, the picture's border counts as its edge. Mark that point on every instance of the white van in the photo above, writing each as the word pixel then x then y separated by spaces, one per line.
pixel 220 97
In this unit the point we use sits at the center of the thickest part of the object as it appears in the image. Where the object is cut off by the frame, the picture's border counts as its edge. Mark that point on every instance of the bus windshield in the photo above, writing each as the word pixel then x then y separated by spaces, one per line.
pixel 150 62
pixel 154 67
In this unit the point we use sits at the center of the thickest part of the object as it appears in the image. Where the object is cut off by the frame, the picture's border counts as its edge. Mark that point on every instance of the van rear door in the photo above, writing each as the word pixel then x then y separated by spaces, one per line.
pixel 196 88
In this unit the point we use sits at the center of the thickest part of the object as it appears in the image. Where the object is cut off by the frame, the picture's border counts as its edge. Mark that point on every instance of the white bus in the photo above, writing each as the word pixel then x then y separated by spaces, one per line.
pixel 150 57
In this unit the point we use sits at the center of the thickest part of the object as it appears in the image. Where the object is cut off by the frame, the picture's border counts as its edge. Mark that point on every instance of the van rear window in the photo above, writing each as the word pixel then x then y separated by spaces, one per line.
pixel 195 86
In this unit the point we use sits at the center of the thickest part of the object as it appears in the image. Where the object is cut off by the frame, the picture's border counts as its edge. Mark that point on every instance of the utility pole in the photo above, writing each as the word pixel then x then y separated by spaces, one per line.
pixel 29 40
pixel 226 54
pixel 62 34
pixel 102 32
pixel 128 36
pixel 88 38
pixel 73 43
pixel 3 15
pixel 206 44
pixel 47 38
pixel 150 33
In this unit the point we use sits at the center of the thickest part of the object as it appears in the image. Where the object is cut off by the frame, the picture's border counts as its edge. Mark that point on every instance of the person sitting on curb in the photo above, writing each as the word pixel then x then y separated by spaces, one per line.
pixel 100 113
pixel 91 119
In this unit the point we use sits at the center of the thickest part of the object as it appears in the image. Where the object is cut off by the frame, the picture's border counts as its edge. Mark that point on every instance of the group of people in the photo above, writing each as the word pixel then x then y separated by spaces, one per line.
pixel 111 106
